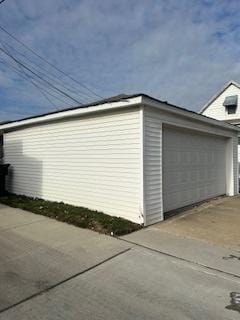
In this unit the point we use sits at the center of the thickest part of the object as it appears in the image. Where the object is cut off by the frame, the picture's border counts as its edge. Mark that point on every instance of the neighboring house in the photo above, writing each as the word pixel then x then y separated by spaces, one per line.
pixel 225 105
pixel 130 156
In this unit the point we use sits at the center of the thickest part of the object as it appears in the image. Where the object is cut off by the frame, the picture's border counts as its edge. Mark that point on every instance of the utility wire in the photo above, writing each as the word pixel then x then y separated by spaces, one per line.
pixel 46 74
pixel 43 93
pixel 44 80
pixel 39 89
pixel 49 63
pixel 53 77
pixel 35 85
pixel 26 77
pixel 2 1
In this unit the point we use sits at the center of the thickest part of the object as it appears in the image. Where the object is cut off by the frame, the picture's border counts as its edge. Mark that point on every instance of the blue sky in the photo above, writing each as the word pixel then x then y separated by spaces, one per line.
pixel 179 51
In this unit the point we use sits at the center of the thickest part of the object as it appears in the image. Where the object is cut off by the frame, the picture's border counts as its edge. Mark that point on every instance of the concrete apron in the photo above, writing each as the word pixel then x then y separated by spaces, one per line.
pixel 197 252
pixel 207 234
pixel 215 221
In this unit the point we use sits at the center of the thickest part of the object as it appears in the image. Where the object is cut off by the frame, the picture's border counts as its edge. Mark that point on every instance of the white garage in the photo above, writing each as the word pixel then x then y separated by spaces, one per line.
pixel 130 156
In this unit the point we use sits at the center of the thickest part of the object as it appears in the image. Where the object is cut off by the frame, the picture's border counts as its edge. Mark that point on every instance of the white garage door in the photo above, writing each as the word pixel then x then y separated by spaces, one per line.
pixel 194 167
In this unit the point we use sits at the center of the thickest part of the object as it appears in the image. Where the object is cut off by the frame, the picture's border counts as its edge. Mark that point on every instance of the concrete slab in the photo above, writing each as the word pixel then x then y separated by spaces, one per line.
pixel 215 222
pixel 138 284
pixel 195 251
pixel 12 217
pixel 207 234
pixel 39 254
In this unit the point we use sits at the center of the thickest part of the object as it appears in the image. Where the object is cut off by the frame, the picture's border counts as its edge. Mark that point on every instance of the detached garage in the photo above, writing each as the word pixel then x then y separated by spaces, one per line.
pixel 130 156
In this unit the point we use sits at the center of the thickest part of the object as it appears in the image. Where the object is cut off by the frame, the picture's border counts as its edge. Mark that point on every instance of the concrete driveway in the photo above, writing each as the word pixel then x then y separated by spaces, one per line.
pixel 50 270
pixel 215 221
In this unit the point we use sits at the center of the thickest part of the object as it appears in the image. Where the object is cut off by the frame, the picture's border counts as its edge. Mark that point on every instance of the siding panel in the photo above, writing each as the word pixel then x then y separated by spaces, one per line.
pixel 152 167
pixel 91 161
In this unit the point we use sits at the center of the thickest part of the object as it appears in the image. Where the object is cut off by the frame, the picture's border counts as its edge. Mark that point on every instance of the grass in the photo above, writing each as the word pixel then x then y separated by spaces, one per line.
pixel 78 216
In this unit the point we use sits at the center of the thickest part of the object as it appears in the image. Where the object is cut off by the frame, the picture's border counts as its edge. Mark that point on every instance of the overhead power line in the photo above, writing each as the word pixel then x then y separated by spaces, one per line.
pixel 49 63
pixel 26 77
pixel 46 73
pixel 42 92
pixel 2 1
pixel 40 77
pixel 32 81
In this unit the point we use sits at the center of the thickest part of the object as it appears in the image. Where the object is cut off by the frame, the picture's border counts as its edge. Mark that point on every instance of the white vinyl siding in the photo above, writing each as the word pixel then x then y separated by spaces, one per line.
pixel 236 159
pixel 216 110
pixel 152 167
pixel 154 120
pixel 238 153
pixel 92 161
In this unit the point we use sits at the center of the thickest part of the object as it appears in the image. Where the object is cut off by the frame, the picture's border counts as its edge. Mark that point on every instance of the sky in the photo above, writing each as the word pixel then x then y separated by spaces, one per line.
pixel 179 51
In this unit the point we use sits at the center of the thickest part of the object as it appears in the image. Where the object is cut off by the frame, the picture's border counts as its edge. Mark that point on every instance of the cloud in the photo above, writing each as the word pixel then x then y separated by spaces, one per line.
pixel 180 51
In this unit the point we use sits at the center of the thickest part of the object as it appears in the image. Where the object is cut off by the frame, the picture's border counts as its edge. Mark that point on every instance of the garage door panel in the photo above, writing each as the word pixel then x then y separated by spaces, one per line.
pixel 194 167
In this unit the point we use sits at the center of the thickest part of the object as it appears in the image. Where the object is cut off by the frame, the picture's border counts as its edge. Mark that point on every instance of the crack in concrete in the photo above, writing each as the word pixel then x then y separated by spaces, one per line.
pixel 63 281
pixel 182 259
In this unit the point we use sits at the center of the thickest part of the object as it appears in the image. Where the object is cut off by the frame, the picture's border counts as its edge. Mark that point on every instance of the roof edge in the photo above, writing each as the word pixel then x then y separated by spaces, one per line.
pixel 192 114
pixel 103 105
pixel 106 105
pixel 110 100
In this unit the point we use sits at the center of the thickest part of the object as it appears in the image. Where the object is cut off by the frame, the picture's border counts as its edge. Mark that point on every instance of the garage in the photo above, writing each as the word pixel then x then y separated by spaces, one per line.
pixel 130 156
pixel 187 159
pixel 194 167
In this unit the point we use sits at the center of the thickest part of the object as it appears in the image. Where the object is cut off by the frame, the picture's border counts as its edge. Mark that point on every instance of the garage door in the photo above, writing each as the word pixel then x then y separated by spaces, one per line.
pixel 194 167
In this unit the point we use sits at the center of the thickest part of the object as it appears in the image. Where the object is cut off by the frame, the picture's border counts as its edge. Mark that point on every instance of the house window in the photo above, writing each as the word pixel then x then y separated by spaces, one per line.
pixel 230 103
pixel 231 109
